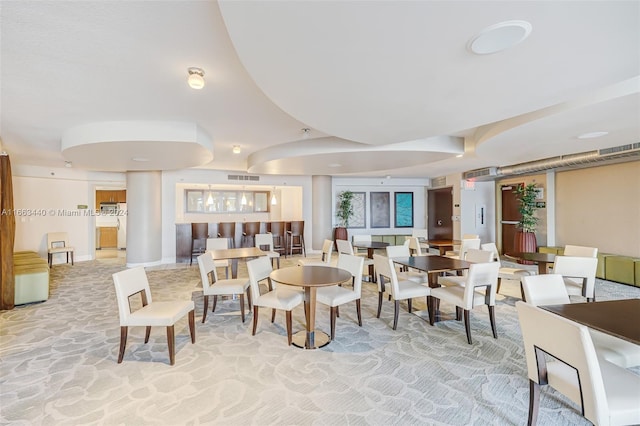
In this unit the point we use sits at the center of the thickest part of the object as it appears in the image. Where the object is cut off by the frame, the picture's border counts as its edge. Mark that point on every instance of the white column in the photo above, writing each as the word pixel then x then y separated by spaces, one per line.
pixel 321 210
pixel 144 218
pixel 551 208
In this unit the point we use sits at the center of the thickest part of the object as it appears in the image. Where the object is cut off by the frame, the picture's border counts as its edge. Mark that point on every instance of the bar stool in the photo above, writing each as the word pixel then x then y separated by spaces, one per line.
pixel 295 237
pixel 249 231
pixel 199 235
pixel 277 229
pixel 228 230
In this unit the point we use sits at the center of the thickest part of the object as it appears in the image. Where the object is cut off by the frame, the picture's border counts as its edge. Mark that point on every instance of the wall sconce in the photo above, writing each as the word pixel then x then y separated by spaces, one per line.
pixel 274 200
pixel 196 78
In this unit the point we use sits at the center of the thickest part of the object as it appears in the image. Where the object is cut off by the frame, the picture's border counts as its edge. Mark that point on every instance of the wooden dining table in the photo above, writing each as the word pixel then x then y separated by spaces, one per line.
pixel 234 254
pixel 310 278
pixel 442 245
pixel 371 247
pixel 620 318
pixel 541 259
pixel 433 266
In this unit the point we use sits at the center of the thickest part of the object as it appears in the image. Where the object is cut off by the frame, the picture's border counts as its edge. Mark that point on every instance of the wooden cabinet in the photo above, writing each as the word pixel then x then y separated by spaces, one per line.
pixel 118 196
pixel 108 237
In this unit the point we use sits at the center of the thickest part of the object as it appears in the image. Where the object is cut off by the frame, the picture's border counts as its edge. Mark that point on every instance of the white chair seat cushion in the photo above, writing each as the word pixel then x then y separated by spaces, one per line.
pixel 280 298
pixel 455 296
pixel 416 277
pixel 512 273
pixel 317 262
pixel 230 286
pixel 60 249
pixel 221 263
pixel 367 261
pixel 409 289
pixel 272 254
pixel 335 295
pixel 622 388
pixel 617 351
pixel 160 313
pixel 449 280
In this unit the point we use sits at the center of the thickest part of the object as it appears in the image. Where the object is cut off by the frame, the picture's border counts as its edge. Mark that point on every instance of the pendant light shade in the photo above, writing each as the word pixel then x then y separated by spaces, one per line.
pixel 196 78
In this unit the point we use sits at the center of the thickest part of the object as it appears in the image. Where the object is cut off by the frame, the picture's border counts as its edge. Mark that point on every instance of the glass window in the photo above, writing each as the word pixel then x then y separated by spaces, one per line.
pixel 223 201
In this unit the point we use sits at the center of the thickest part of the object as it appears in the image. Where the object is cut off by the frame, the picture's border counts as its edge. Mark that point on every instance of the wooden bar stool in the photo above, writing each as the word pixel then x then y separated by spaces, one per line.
pixel 249 231
pixel 295 237
pixel 277 229
pixel 228 230
pixel 199 235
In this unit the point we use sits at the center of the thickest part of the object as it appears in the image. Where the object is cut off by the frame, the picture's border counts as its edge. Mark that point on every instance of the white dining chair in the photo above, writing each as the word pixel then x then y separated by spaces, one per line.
pixel 334 296
pixel 550 289
pixel 161 314
pixel 505 273
pixel 325 260
pixel 465 244
pixel 579 275
pixel 605 393
pixel 473 256
pixel 265 243
pixel 219 244
pixel 345 246
pixel 406 273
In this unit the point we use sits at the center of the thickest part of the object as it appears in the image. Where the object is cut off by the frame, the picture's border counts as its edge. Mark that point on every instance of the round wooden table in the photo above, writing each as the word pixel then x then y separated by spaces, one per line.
pixel 310 278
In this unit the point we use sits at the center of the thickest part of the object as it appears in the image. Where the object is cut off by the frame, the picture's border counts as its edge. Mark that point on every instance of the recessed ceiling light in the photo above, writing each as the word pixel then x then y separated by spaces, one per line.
pixel 68 164
pixel 592 135
pixel 236 149
pixel 334 165
pixel 196 78
pixel 499 37
pixel 140 159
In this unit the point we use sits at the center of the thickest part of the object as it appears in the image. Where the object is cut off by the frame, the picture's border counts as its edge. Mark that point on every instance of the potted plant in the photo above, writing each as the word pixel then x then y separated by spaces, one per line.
pixel 344 212
pixel 525 238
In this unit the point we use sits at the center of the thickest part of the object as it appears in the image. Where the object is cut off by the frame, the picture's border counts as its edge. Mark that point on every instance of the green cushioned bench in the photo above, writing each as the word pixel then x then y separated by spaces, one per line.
pixel 621 269
pixel 31 278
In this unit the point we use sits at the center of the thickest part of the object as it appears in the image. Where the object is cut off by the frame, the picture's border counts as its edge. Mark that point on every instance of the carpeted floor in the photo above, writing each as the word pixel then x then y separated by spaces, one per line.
pixel 58 363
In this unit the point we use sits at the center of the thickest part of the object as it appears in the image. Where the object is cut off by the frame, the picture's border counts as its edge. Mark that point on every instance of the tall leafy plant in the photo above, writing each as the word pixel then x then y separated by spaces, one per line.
pixel 527 207
pixel 345 208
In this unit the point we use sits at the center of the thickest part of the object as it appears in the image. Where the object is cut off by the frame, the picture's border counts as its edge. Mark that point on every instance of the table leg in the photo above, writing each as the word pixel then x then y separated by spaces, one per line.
pixel 372 272
pixel 308 339
pixel 542 268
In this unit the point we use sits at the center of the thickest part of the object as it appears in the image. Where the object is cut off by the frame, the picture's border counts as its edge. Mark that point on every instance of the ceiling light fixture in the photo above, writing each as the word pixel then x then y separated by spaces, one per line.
pixel 243 200
pixel 499 37
pixel 210 197
pixel 68 164
pixel 306 132
pixel 236 149
pixel 196 78
pixel 592 135
pixel 274 200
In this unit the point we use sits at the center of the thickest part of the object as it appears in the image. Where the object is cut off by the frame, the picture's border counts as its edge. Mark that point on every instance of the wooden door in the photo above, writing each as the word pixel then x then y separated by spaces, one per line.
pixel 439 211
pixel 510 216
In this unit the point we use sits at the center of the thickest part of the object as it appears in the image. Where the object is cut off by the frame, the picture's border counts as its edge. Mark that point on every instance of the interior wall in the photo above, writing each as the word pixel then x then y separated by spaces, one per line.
pixel 477 211
pixel 600 207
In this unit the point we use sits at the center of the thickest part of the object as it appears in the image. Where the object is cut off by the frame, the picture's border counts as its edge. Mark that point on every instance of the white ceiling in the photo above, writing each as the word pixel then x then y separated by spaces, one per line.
pixel 387 88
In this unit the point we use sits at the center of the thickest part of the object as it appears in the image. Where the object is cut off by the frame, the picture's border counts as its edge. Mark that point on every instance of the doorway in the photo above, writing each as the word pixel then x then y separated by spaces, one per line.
pixel 440 211
pixel 110 223
pixel 510 216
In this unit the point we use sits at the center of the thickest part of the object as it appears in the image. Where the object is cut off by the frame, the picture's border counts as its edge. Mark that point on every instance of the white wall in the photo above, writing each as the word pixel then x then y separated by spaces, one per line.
pixel 477 210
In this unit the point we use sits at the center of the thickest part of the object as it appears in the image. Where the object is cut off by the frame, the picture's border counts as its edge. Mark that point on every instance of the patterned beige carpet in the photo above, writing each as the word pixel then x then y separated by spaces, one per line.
pixel 58 363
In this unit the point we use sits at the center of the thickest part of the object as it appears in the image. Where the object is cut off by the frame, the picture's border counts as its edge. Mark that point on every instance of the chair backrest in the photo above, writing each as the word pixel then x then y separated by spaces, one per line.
pixel 466 244
pixel 127 283
pixel 327 250
pixel 385 270
pixel 578 267
pixel 354 265
pixel 479 256
pixel 571 343
pixel 250 228
pixel 580 251
pixel 259 270
pixel 227 229
pixel 207 268
pixel 480 275
pixel 493 249
pixel 344 246
pixel 57 238
pixel 262 240
pixel 545 289
pixel 414 246
pixel 217 244
pixel 420 234
pixel 297 227
pixel 398 251
pixel 361 239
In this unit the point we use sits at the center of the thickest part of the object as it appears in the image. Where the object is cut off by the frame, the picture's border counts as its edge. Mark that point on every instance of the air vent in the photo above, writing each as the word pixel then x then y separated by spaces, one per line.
pixel 620 150
pixel 243 177
pixel 478 174
pixel 439 182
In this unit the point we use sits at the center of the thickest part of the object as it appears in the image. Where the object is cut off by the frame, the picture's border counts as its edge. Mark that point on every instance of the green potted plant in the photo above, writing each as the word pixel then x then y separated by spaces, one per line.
pixel 525 238
pixel 344 212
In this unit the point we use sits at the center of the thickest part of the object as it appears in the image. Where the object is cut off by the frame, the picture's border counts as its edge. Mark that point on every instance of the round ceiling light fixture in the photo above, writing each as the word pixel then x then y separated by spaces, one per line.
pixel 196 78
pixel 499 37
pixel 236 149
pixel 592 135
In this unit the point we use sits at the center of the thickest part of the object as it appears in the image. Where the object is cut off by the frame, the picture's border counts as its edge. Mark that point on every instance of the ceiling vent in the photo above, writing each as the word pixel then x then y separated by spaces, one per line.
pixel 438 182
pixel 617 154
pixel 243 177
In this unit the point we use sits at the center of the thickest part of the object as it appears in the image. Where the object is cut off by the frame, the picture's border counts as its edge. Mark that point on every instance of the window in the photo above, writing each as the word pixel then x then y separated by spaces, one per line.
pixel 225 201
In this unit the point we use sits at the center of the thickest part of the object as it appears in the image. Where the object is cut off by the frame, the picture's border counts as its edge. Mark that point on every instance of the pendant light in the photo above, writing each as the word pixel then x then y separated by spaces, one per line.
pixel 274 200
pixel 209 198
pixel 243 200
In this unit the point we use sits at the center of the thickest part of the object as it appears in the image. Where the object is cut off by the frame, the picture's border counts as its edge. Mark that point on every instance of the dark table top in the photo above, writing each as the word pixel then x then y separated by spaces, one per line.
pixel 432 263
pixel 438 243
pixel 620 318
pixel 310 276
pixel 370 244
pixel 533 257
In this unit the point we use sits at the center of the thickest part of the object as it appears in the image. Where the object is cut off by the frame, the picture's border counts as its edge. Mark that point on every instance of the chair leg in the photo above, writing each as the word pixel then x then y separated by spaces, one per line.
pixel 409 304
pixel 171 341
pixel 492 318
pixel 534 402
pixel 226 272
pixel 431 302
pixel 333 321
pixel 379 304
pixel 289 327
pixel 192 325
pixel 458 313
pixel 241 297
pixel 123 342
pixel 428 307
pixel 72 265
pixel 147 334
pixel 395 314
pixel 206 308
pixel 359 312
pixel 338 311
pixel 249 298
pixel 215 302
pixel 499 283
pixel 467 325
pixel 278 262
pixel 255 320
